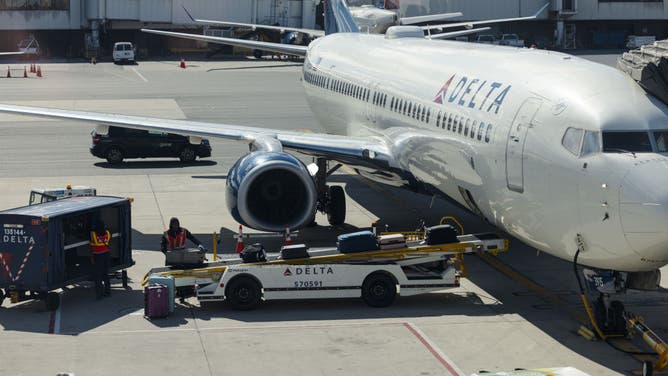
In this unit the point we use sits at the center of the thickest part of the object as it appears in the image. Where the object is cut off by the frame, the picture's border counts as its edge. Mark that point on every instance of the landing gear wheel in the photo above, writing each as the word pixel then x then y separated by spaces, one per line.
pixel 52 301
pixel 647 368
pixel 243 293
pixel 336 207
pixel 124 279
pixel 187 154
pixel 258 54
pixel 379 290
pixel 114 155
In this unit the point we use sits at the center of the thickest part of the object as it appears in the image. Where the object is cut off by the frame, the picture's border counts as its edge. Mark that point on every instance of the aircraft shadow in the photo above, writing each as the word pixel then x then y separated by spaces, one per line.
pixel 254 67
pixel 134 165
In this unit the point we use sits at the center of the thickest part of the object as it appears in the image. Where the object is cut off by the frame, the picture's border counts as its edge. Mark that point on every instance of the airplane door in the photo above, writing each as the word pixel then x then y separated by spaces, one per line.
pixel 515 144
pixel 370 107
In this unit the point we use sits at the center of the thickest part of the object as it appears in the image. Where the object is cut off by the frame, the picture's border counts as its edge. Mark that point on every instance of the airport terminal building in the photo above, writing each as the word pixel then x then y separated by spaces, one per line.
pixel 73 27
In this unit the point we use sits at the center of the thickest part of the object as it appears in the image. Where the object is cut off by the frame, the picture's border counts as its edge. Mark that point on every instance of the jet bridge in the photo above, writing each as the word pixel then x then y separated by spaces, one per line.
pixel 648 65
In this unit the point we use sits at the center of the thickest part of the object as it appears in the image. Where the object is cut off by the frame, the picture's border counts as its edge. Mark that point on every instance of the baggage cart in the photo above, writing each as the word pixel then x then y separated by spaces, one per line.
pixel 45 247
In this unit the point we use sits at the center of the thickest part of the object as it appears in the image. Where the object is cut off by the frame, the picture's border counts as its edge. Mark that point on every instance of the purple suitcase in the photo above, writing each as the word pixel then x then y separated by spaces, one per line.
pixel 156 301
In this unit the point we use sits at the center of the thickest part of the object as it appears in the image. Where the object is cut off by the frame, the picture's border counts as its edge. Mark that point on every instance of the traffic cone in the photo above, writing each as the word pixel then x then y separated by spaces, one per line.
pixel 25 72
pixel 32 68
pixel 9 75
pixel 39 71
pixel 183 63
pixel 240 240
pixel 288 237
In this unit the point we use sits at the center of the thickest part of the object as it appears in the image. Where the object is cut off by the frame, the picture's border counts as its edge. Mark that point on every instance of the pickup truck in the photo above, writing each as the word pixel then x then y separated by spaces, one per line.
pixel 487 39
pixel 511 40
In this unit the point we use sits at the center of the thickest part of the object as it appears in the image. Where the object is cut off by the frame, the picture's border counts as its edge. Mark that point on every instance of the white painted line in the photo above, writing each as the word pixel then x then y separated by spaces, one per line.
pixel 139 74
pixel 434 350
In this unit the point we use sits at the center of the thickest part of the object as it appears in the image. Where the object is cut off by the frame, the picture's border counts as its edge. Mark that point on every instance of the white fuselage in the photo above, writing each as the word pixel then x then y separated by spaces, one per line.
pixel 484 125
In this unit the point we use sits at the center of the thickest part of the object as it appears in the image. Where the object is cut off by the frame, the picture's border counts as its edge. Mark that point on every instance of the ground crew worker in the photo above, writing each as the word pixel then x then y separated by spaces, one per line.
pixel 99 247
pixel 175 237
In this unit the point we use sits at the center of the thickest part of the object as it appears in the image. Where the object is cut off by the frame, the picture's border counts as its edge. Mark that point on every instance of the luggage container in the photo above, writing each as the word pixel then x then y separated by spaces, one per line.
pixel 46 247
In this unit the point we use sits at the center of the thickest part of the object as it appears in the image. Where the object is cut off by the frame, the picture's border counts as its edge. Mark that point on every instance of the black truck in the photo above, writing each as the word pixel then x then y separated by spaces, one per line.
pixel 46 247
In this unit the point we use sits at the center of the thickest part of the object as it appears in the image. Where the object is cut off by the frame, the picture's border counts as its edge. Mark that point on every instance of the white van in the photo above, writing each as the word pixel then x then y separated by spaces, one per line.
pixel 123 51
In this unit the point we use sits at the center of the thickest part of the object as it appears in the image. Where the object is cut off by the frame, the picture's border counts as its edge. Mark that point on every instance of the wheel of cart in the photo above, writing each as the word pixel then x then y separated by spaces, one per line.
pixel 379 290
pixel 243 293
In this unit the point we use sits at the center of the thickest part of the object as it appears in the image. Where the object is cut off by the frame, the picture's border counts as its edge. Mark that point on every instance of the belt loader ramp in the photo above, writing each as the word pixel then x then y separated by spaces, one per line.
pixel 376 276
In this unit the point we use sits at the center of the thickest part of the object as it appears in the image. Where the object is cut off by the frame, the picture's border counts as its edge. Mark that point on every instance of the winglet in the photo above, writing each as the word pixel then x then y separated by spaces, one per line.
pixel 541 9
pixel 188 13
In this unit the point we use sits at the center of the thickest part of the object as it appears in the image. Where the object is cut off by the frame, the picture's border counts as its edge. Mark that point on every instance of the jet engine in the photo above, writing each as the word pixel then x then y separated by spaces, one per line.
pixel 268 190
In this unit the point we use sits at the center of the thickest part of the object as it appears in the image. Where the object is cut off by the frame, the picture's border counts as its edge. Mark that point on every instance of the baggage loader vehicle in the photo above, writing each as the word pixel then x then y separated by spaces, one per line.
pixel 377 275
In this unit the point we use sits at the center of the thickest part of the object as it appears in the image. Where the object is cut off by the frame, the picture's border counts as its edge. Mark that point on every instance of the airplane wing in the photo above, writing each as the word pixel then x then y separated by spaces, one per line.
pixel 288 49
pixel 12 53
pixel 428 18
pixel 314 32
pixel 453 34
pixel 470 25
pixel 317 33
pixel 370 152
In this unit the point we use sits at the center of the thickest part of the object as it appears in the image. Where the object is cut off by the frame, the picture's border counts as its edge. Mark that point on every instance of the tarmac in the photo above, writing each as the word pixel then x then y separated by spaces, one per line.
pixel 518 310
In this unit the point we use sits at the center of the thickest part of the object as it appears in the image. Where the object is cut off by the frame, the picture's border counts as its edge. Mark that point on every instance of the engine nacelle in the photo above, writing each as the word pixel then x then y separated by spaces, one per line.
pixel 269 190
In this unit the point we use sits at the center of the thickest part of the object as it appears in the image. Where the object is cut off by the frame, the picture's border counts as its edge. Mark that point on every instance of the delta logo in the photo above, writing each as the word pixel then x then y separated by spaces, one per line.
pixel 473 93
pixel 287 272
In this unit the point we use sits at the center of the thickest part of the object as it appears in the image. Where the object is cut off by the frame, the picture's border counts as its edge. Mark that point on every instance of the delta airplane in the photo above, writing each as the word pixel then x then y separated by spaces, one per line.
pixel 567 155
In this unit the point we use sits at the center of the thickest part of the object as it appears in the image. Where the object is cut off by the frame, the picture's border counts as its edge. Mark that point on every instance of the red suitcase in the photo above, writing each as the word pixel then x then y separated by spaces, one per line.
pixel 156 301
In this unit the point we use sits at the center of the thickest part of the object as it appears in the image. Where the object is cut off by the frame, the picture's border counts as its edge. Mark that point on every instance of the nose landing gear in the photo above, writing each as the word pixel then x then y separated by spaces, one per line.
pixel 610 320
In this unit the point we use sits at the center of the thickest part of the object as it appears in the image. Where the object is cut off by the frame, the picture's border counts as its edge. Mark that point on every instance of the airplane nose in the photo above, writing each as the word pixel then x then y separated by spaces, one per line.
pixel 643 208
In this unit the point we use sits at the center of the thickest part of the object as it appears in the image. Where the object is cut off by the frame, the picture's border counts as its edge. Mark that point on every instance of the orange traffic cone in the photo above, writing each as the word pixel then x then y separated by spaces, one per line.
pixel 288 237
pixel 183 63
pixel 9 75
pixel 240 240
pixel 32 68
pixel 39 71
pixel 25 72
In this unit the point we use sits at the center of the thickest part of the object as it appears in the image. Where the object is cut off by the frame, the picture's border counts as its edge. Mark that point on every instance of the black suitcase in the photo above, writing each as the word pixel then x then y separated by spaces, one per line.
pixel 294 251
pixel 441 234
pixel 185 256
pixel 357 242
pixel 253 253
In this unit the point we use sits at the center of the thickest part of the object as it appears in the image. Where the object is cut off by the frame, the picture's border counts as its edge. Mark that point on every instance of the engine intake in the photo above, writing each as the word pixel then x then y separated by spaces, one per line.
pixel 269 190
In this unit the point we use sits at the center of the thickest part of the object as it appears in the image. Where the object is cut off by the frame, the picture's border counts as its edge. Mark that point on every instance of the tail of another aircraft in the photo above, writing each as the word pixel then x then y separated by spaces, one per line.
pixel 338 18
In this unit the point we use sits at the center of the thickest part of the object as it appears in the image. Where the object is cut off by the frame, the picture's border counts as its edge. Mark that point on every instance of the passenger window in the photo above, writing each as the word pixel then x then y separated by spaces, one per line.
pixel 466 128
pixel 480 130
pixel 661 139
pixel 460 124
pixel 423 114
pixel 410 106
pixel 438 119
pixel 488 134
pixel 473 127
pixel 572 140
pixel 428 114
pixel 450 122
pixel 591 143
pixel 392 103
pixel 384 99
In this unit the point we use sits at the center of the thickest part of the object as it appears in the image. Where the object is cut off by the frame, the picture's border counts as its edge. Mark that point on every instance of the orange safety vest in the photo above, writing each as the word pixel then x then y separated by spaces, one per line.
pixel 178 241
pixel 99 244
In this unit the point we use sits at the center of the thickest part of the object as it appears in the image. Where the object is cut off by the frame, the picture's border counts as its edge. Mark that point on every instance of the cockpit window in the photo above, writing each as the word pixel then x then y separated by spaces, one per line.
pixel 661 138
pixel 572 140
pixel 620 142
pixel 591 143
